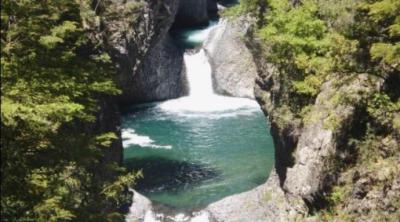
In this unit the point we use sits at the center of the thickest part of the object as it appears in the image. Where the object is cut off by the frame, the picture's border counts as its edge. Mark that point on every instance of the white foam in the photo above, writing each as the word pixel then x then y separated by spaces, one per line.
pixel 198 75
pixel 201 217
pixel 179 217
pixel 206 104
pixel 220 7
pixel 151 216
pixel 201 95
pixel 129 137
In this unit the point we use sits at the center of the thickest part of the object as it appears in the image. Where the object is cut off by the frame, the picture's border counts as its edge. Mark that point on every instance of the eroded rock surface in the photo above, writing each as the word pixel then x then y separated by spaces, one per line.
pixel 327 126
pixel 162 75
pixel 265 203
pixel 234 70
pixel 135 38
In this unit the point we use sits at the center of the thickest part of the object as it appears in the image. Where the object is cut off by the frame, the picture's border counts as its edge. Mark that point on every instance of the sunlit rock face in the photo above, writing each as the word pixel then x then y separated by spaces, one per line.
pixel 234 70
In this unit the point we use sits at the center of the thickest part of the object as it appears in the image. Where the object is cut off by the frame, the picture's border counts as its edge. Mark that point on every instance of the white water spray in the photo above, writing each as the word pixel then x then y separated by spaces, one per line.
pixel 199 75
pixel 201 98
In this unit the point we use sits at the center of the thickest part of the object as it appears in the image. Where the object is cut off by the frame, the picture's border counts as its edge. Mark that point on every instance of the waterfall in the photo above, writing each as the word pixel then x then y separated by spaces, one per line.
pixel 201 98
pixel 199 75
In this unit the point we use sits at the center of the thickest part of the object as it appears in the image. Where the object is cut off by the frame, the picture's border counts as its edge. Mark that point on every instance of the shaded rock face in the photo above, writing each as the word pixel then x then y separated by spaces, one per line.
pixel 195 12
pixel 161 76
pixel 107 120
pixel 212 7
pixel 149 65
pixel 131 40
pixel 234 70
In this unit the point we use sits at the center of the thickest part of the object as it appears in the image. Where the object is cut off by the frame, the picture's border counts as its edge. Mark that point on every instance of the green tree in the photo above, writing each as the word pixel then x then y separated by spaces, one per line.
pixel 52 77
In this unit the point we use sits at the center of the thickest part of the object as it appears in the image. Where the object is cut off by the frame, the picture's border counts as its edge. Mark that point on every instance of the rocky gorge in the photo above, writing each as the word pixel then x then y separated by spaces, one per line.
pixel 200 110
pixel 307 149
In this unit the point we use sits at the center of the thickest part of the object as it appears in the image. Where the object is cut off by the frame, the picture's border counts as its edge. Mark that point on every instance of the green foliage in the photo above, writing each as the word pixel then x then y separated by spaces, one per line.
pixel 106 139
pixel 294 33
pixel 386 53
pixel 377 28
pixel 337 194
pixel 311 42
pixel 305 47
pixel 255 8
pixel 384 111
pixel 338 14
pixel 234 11
pixel 114 191
pixel 52 75
pixel 309 86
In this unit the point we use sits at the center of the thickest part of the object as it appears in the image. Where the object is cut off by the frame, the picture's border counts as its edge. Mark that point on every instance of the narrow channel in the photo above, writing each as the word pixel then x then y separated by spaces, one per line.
pixel 200 148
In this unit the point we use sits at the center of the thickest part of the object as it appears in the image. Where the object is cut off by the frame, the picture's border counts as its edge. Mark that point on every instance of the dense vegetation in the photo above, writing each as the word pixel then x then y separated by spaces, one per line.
pixel 53 76
pixel 311 42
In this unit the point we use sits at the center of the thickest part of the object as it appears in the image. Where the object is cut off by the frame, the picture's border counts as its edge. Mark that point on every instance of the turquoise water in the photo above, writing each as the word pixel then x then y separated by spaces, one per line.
pixel 190 161
pixel 197 149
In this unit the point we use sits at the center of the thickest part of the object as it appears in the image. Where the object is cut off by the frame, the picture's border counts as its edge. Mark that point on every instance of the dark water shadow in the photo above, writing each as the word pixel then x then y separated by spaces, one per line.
pixel 162 174
pixel 180 34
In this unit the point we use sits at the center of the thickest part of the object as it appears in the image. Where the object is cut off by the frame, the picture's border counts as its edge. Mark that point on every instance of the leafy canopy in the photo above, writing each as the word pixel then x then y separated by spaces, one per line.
pixel 53 75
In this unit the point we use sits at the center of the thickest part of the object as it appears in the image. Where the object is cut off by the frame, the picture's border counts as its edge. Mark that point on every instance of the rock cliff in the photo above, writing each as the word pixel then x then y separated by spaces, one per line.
pixel 313 149
pixel 306 151
pixel 149 66
pixel 136 35
pixel 162 75
pixel 234 70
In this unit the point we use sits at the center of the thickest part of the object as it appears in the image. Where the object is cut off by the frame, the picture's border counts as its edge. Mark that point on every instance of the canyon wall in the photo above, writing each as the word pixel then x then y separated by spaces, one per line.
pixel 310 148
pixel 313 149
pixel 161 76
pixel 306 152
pixel 150 66
pixel 137 39
pixel 233 68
